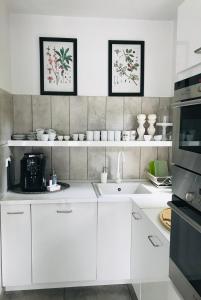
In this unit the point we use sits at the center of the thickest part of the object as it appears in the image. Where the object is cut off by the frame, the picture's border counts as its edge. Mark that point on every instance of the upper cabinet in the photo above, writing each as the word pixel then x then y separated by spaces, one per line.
pixel 188 35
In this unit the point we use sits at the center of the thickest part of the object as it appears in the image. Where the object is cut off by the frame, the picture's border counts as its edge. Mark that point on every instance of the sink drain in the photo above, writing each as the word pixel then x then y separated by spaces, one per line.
pixel 119 189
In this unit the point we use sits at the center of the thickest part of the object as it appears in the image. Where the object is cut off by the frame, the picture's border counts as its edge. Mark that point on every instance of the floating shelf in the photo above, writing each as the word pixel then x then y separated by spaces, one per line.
pixel 15 143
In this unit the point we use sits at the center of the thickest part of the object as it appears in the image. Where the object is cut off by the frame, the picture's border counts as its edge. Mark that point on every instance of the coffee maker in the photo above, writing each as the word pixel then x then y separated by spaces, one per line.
pixel 33 172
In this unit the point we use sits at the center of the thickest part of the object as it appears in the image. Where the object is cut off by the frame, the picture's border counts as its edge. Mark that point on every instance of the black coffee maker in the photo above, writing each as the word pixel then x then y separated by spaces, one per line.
pixel 33 172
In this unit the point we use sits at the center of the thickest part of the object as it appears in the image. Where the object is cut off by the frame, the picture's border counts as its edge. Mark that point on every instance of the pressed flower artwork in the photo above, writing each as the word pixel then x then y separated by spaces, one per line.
pixel 58 63
pixel 126 68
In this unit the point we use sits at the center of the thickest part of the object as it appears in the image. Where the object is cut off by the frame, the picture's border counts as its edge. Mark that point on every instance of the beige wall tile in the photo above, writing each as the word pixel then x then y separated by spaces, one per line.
pixel 131 166
pixel 114 113
pixel 150 105
pixel 6 118
pixel 78 114
pixel 60 162
pixel 111 162
pixel 96 113
pixel 96 162
pixel 60 107
pixel 163 153
pixel 41 112
pixel 132 107
pixel 22 114
pixel 147 154
pixel 78 163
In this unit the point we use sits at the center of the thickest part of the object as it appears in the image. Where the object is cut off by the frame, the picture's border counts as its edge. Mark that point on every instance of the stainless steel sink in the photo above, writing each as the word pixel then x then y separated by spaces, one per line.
pixel 120 189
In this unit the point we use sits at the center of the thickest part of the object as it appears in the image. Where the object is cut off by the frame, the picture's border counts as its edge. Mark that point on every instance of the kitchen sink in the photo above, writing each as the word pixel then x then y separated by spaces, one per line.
pixel 124 188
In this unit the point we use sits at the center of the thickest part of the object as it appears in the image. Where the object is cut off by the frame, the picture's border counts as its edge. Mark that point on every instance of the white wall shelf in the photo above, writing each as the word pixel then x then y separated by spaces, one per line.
pixel 17 143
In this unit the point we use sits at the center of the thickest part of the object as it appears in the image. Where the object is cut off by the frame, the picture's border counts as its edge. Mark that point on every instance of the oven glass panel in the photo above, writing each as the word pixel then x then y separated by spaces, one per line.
pixel 190 128
pixel 185 248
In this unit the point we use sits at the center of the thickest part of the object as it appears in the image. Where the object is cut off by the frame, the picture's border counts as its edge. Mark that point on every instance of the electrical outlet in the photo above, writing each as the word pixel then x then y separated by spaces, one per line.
pixel 7 161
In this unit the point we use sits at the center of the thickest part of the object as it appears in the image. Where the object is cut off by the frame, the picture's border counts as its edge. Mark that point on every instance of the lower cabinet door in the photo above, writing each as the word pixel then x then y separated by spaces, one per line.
pixel 16 245
pixel 64 242
pixel 114 240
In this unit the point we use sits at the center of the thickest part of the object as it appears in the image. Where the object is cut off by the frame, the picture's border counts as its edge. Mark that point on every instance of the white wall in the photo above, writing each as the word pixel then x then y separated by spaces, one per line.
pixel 93 36
pixel 4 47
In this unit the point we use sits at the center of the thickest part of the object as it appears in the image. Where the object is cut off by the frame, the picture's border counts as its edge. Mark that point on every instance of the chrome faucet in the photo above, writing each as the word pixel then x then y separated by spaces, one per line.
pixel 118 176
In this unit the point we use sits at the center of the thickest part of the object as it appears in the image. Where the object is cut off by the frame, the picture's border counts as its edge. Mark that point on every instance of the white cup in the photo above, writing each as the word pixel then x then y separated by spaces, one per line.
pixel 44 137
pixel 66 137
pixel 96 135
pixel 103 135
pixel 81 136
pixel 51 136
pixel 60 137
pixel 90 135
pixel 126 136
pixel 117 135
pixel 75 136
pixel 133 135
pixel 110 135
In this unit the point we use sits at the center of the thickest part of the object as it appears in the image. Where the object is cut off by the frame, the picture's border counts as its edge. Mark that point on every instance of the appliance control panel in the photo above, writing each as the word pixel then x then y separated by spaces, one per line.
pixel 187 186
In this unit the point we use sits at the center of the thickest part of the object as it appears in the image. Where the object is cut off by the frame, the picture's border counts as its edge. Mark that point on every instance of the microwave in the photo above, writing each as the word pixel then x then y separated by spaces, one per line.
pixel 187 124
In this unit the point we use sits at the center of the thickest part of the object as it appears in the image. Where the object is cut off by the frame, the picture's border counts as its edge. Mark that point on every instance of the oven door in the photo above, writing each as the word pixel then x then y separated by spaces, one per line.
pixel 185 249
pixel 187 135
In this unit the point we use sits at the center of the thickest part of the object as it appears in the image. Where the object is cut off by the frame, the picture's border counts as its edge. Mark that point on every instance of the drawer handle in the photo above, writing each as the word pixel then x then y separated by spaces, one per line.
pixel 15 213
pixel 198 51
pixel 136 216
pixel 153 241
pixel 64 211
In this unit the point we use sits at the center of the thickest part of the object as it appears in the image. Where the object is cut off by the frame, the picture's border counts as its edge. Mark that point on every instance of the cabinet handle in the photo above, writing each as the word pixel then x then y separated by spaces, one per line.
pixel 15 213
pixel 136 216
pixel 198 50
pixel 151 238
pixel 64 211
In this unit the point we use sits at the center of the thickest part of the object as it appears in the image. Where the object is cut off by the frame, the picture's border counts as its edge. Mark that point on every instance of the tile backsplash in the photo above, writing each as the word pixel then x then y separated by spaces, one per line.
pixel 74 114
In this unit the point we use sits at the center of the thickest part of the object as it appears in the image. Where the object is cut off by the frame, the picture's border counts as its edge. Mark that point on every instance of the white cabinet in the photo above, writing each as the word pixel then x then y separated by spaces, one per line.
pixel 16 245
pixel 64 242
pixel 149 253
pixel 188 34
pixel 114 240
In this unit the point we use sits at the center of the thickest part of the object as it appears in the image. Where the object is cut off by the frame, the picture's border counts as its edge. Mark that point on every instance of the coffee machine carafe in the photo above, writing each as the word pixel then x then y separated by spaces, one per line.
pixel 33 172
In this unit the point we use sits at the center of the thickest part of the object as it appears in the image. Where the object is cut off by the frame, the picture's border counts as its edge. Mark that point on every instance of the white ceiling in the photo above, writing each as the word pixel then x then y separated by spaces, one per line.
pixel 132 9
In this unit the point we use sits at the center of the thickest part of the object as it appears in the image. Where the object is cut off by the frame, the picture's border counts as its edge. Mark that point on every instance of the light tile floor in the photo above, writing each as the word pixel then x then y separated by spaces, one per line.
pixel 112 292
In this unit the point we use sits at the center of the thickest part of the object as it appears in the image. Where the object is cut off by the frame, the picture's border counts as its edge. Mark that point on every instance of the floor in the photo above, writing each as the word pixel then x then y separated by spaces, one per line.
pixel 112 292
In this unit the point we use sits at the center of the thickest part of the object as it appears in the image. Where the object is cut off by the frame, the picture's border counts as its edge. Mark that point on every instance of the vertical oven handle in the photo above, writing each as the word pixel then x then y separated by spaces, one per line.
pixel 186 103
pixel 186 218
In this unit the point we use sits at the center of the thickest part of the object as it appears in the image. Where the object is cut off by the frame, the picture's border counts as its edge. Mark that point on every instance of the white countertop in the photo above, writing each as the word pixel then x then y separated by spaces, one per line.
pixel 78 192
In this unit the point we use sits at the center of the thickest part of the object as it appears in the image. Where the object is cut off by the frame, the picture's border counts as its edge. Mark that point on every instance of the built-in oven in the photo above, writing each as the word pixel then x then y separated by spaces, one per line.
pixel 187 124
pixel 185 238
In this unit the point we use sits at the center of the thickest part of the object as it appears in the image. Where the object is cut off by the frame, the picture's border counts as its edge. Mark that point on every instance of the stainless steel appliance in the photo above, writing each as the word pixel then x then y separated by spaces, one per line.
pixel 185 239
pixel 187 124
pixel 33 172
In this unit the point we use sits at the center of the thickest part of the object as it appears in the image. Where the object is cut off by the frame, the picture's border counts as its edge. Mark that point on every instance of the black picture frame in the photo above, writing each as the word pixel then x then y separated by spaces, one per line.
pixel 45 91
pixel 111 91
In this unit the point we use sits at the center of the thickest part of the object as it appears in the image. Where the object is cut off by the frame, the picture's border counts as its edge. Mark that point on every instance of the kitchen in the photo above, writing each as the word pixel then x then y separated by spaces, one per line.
pixel 99 147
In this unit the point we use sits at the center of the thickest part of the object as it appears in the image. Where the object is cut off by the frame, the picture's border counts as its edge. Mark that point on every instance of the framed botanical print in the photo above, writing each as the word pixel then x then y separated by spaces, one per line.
pixel 58 66
pixel 126 68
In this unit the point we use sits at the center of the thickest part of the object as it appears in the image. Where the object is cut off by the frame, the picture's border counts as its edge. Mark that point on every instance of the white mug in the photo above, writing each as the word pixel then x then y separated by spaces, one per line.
pixel 81 136
pixel 126 135
pixel 75 136
pixel 90 135
pixel 110 135
pixel 103 135
pixel 96 135
pixel 133 135
pixel 117 135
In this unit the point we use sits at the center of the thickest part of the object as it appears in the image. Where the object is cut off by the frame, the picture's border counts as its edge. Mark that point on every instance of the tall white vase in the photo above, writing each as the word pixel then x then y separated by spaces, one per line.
pixel 151 120
pixel 141 130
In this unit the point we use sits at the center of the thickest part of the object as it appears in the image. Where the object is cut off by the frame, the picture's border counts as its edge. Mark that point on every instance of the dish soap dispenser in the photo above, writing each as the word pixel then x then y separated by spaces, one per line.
pixel 104 175
pixel 54 177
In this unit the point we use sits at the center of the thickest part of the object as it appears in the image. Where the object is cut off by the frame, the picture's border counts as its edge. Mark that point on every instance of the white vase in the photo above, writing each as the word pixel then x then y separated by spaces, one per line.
pixel 141 130
pixel 151 120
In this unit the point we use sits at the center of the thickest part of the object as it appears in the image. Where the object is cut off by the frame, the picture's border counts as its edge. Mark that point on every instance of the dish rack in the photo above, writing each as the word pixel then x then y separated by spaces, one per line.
pixel 159 181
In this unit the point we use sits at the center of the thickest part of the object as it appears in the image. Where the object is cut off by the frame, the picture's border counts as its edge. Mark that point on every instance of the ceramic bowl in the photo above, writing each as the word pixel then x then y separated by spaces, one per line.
pixel 60 137
pixel 66 137
pixel 51 136
pixel 157 137
pixel 40 131
pixel 147 137
pixel 44 137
